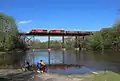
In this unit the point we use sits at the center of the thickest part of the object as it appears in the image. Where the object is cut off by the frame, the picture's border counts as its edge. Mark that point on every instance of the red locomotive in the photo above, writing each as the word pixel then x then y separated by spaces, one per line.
pixel 38 31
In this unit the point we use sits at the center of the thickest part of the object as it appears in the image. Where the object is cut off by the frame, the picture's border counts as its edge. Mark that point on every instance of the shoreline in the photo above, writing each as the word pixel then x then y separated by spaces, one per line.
pixel 18 74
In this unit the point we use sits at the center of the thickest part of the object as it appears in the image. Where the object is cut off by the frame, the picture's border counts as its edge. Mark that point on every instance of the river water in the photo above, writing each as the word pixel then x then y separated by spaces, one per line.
pixel 89 61
pixel 65 62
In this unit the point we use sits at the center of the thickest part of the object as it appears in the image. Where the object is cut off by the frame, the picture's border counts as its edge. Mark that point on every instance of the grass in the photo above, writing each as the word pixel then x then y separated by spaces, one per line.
pixel 107 76
pixel 101 76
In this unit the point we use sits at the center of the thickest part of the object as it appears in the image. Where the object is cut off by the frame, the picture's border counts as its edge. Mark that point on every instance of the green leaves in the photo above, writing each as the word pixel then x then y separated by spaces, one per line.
pixel 107 38
pixel 9 33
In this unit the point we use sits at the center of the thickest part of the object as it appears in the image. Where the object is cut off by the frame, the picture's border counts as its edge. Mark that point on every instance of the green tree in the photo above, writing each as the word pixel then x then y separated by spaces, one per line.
pixel 9 33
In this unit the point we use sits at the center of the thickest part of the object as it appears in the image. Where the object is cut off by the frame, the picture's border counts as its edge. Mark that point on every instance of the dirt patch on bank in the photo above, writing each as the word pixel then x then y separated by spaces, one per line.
pixel 56 77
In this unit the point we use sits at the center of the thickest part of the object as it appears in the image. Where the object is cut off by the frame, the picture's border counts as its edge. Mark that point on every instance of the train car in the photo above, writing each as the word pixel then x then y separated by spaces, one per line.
pixel 90 33
pixel 76 32
pixel 56 31
pixel 79 32
pixel 38 31
pixel 69 32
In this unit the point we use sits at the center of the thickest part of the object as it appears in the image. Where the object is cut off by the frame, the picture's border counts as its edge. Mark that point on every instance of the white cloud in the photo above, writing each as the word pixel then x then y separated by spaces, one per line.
pixel 24 22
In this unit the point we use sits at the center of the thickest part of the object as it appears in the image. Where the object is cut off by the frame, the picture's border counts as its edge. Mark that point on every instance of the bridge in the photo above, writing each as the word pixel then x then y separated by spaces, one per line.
pixel 63 33
pixel 49 33
pixel 70 33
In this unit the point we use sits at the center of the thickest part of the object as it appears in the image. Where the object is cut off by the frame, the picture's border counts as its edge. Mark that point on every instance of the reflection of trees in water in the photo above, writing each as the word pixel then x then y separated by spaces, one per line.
pixel 56 57
pixel 11 60
pixel 29 58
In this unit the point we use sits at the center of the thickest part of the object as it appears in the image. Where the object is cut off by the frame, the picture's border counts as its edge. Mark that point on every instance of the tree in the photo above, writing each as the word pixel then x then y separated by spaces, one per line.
pixel 96 41
pixel 106 38
pixel 9 33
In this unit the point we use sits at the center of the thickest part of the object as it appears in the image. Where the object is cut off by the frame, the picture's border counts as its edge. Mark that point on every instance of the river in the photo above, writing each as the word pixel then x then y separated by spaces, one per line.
pixel 90 61
pixel 67 61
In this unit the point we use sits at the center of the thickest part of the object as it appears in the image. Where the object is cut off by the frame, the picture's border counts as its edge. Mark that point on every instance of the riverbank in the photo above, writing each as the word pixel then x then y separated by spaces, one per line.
pixel 4 72
pixel 19 75
pixel 101 76
pixel 14 75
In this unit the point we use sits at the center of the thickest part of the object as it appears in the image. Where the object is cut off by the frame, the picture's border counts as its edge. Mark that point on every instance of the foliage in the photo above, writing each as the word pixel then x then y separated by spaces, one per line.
pixel 9 34
pixel 107 38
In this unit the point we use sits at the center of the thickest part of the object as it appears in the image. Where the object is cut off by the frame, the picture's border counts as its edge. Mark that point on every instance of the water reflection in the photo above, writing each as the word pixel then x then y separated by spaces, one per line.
pixel 69 70
pixel 92 60
pixel 49 57
pixel 63 54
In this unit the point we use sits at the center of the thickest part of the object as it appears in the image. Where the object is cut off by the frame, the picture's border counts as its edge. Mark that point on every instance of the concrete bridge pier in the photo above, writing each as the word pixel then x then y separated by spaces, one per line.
pixel 76 43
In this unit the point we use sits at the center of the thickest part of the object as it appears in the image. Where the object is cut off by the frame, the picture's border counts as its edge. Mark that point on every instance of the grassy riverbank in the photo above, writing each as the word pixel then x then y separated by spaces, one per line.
pixel 101 76
pixel 108 76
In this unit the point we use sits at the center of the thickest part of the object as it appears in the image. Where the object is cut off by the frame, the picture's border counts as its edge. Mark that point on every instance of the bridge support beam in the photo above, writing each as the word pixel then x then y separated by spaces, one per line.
pixel 49 42
pixel 76 43
pixel 63 46
pixel 83 37
pixel 29 40
pixel 83 47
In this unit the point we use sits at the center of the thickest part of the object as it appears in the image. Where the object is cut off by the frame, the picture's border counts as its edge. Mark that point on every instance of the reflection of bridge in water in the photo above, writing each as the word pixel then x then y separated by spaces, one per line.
pixel 50 33
pixel 53 57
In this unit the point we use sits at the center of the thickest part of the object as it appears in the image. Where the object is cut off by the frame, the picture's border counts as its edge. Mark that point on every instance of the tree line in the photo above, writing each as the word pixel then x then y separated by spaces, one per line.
pixel 10 39
pixel 105 39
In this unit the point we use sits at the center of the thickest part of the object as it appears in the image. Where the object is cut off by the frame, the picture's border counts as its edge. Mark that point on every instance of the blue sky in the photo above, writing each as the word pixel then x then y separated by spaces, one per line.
pixel 83 15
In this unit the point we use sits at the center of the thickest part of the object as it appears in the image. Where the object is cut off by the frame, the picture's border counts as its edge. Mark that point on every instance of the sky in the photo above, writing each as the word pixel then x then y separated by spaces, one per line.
pixel 82 15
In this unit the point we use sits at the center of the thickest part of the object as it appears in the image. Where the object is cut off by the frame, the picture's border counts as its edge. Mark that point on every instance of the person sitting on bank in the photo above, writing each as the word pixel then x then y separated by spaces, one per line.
pixel 42 64
pixel 27 66
pixel 38 66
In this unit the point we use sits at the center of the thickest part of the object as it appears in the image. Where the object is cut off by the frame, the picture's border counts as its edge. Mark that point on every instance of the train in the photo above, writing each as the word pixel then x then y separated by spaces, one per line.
pixel 57 31
pixel 46 31
pixel 54 31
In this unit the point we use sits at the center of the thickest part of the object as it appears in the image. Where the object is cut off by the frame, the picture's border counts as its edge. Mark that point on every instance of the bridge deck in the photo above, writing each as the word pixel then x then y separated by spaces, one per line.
pixel 57 34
